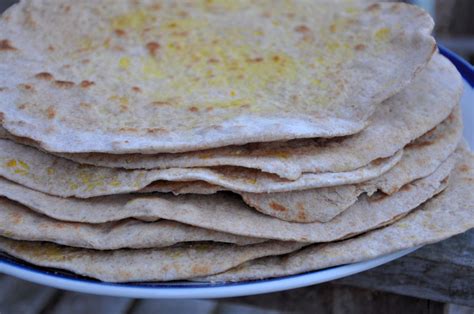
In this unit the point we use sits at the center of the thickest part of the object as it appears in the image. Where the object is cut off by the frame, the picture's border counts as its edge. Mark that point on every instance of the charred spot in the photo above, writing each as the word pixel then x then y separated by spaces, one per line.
pixel 6 45
pixel 51 112
pixel 153 48
pixel 156 130
pixel 44 76
pixel 255 60
pixel 26 87
pixel 373 7
pixel 64 84
pixel 86 84
pixel 200 269
pixel 128 130
pixel 51 48
pixel 463 168
pixel 212 60
pixel 193 109
pixel 2 117
pixel 360 47
pixel 302 29
pixel 3 89
pixel 301 216
pixel 120 32
pixel 395 7
pixel 136 89
pixel 22 106
pixel 278 207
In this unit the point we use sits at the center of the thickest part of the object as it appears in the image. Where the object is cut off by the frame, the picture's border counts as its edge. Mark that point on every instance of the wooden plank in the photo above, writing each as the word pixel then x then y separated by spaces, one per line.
pixel 19 296
pixel 330 298
pixel 72 303
pixel 442 272
pixel 174 306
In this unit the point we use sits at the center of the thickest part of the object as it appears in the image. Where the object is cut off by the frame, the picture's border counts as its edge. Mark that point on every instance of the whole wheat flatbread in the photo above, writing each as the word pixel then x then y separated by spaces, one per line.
pixel 448 214
pixel 225 213
pixel 18 222
pixel 396 122
pixel 228 211
pixel 165 76
pixel 173 263
pixel 58 176
pixel 420 158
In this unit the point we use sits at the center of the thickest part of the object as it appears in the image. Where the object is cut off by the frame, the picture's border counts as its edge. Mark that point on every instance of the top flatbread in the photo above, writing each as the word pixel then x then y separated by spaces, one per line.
pixel 414 111
pixel 164 76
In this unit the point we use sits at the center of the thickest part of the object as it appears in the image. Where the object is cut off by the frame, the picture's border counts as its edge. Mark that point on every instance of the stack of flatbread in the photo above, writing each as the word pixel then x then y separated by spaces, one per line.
pixel 225 140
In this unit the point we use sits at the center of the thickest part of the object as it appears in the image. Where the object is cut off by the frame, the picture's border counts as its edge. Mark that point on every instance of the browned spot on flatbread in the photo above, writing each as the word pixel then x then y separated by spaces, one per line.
pixel 153 48
pixel 193 109
pixel 6 45
pixel 278 207
pixel 156 130
pixel 3 89
pixel 86 84
pixel 2 117
pixel 300 206
pixel 44 76
pixel 27 87
pixel 360 47
pixel 64 84
pixel 301 215
pixel 51 112
pixel 302 29
pixel 136 89
pixel 120 32
pixel 16 218
pixel 464 168
pixel 373 7
pixel 128 130
pixel 200 269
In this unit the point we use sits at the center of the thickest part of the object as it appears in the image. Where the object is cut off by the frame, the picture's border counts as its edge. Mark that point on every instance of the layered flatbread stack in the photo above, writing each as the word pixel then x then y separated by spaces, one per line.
pixel 225 140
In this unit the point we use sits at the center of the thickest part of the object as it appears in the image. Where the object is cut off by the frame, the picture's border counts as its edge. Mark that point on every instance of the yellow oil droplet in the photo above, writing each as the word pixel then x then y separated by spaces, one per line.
pixel 135 20
pixel 382 33
pixel 11 163
pixel 115 183
pixel 24 165
pixel 124 63
pixel 232 93
pixel 50 170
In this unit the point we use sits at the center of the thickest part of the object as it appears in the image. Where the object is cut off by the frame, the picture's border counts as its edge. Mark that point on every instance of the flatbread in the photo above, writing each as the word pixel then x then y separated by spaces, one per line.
pixel 448 214
pixel 417 109
pixel 165 76
pixel 420 158
pixel 227 214
pixel 224 209
pixel 20 223
pixel 174 263
pixel 58 176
